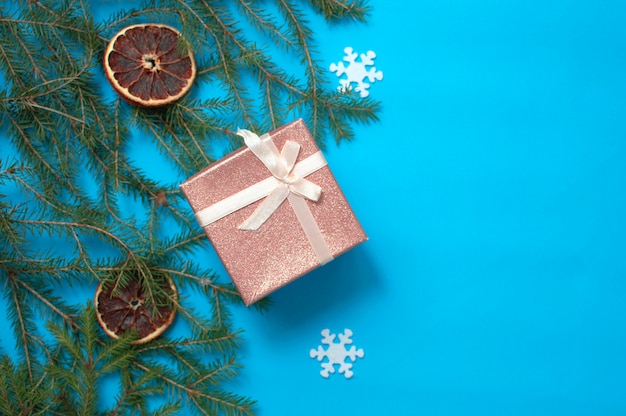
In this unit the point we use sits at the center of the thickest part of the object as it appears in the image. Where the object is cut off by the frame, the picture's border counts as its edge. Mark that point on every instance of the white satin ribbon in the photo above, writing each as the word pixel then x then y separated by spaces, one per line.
pixel 287 182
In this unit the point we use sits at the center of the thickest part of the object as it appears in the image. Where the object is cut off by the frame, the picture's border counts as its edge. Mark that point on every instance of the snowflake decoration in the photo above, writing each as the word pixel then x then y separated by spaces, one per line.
pixel 357 72
pixel 337 353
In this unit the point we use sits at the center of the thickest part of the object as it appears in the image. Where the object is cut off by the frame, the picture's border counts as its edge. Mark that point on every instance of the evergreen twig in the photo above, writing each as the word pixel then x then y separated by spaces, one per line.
pixel 66 180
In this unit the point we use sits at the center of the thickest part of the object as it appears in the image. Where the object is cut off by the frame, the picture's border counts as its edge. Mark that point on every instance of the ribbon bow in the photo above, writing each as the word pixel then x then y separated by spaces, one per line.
pixel 287 182
pixel 281 167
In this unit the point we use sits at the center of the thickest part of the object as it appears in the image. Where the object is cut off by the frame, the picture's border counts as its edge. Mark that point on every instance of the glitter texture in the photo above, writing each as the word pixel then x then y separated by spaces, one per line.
pixel 261 261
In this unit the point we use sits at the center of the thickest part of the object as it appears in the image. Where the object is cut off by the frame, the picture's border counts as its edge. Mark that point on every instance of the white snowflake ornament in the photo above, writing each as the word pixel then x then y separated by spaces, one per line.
pixel 336 353
pixel 357 72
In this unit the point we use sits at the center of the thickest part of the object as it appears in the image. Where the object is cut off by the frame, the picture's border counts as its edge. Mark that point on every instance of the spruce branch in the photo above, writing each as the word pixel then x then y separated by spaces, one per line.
pixel 337 9
pixel 64 197
pixel 21 322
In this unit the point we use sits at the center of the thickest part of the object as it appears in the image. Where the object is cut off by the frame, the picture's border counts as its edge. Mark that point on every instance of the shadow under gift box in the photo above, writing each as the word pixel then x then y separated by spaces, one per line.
pixel 279 251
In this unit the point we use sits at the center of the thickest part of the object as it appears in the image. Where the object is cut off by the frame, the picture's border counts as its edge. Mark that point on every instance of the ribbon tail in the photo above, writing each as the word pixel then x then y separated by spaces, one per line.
pixel 265 209
pixel 310 228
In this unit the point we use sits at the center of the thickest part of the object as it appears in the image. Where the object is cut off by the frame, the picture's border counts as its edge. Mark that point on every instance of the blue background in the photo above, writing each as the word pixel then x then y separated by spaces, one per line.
pixel 492 191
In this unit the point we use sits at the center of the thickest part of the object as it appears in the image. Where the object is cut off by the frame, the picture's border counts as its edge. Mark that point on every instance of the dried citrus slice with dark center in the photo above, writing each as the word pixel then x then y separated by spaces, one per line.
pixel 146 66
pixel 129 308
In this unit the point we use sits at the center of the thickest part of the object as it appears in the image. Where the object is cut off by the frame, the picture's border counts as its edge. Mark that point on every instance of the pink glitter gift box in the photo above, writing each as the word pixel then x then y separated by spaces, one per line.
pixel 273 210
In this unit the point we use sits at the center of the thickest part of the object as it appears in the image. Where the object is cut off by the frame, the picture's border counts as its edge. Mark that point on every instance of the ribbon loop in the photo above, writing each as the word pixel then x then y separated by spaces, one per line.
pixel 264 153
pixel 289 154
pixel 306 189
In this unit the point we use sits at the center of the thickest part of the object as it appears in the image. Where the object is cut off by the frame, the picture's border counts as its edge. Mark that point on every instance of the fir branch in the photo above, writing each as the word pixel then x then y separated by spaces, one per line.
pixel 67 135
pixel 21 395
pixel 220 341
pixel 336 9
pixel 71 226
pixel 206 402
pixel 223 32
pixel 46 298
pixel 265 23
pixel 297 23
pixel 21 323
pixel 137 388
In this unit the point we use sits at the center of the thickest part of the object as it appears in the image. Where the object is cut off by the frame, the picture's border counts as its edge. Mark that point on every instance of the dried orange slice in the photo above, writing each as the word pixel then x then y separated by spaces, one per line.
pixel 145 65
pixel 129 309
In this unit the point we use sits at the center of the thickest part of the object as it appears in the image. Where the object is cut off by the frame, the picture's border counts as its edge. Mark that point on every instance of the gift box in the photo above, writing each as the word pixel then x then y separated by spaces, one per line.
pixel 273 210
